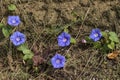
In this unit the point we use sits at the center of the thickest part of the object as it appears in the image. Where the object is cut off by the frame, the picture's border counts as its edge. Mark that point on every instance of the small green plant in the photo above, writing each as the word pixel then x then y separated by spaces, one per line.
pixel 28 54
pixel 11 7
pixel 17 38
pixel 103 40
pixel 111 39
pixel 6 30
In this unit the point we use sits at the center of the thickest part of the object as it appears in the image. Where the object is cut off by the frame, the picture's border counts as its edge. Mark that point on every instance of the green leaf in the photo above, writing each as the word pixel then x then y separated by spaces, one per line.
pixel 11 7
pixel 104 48
pixel 22 47
pixel 111 45
pixel 72 40
pixel 87 38
pixel 117 46
pixel 27 56
pixel 68 56
pixel 113 37
pixel 74 13
pixel 6 31
pixel 66 30
pixel 1 25
pixel 27 51
pixel 104 34
pixel 97 45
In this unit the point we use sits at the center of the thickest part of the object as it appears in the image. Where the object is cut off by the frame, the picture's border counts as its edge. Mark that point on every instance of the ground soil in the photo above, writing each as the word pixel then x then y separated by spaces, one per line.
pixel 42 21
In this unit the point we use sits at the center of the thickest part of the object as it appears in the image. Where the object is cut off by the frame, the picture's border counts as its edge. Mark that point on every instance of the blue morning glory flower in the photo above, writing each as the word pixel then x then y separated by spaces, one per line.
pixel 95 34
pixel 18 38
pixel 58 61
pixel 64 39
pixel 13 20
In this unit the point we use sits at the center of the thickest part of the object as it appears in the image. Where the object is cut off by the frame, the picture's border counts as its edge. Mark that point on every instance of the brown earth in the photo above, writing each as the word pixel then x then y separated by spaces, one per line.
pixel 42 21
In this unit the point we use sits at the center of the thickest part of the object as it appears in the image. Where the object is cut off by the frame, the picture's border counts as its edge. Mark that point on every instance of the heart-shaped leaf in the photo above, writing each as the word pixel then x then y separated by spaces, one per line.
pixel 11 7
pixel 6 31
pixel 22 47
pixel 1 25
pixel 111 45
pixel 72 40
pixel 113 37
pixel 27 51
pixel 104 34
pixel 27 56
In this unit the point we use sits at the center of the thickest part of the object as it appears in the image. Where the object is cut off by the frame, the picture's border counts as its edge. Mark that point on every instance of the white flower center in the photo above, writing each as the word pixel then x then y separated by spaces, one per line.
pixel 17 39
pixel 58 61
pixel 96 35
pixel 64 40
pixel 13 21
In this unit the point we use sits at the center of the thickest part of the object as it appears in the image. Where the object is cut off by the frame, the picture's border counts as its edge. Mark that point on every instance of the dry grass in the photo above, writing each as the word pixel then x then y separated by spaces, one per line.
pixel 42 21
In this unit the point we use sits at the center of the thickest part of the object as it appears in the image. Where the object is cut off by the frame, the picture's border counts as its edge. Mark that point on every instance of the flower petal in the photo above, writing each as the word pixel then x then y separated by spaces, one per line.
pixel 61 38
pixel 58 65
pixel 16 35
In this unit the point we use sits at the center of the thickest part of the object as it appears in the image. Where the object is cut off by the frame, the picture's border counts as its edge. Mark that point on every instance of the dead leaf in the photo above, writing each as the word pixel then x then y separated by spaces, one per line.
pixel 37 59
pixel 35 50
pixel 113 55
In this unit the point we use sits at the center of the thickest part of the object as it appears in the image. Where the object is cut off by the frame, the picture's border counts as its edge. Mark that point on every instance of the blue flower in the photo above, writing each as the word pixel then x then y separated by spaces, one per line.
pixel 18 38
pixel 64 39
pixel 95 34
pixel 13 20
pixel 58 61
